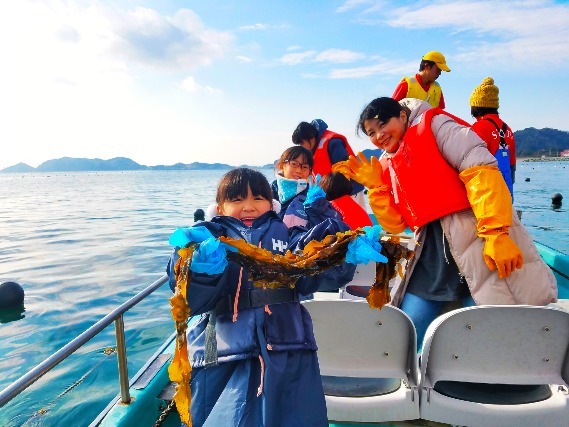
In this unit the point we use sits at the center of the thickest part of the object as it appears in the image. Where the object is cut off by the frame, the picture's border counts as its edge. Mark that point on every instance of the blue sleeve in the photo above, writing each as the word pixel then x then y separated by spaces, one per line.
pixel 333 278
pixel 337 150
pixel 204 290
pixel 320 210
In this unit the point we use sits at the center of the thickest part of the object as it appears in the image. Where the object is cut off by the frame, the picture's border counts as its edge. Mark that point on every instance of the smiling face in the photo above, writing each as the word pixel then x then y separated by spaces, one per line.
pixel 246 209
pixel 297 168
pixel 386 135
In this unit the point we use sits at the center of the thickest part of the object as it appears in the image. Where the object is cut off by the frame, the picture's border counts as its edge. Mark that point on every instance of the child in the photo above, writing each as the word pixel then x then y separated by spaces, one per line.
pixel 266 372
pixel 338 189
pixel 438 178
pixel 494 132
pixel 291 186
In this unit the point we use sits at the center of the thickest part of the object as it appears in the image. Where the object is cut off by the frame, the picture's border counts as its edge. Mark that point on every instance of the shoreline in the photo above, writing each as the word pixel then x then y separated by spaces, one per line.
pixel 543 159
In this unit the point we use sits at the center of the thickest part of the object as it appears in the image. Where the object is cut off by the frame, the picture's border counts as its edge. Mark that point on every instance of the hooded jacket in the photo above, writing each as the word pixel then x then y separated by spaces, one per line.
pixel 533 284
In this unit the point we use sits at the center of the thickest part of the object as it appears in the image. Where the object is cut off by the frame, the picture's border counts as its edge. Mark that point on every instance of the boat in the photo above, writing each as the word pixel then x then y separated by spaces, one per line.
pixel 480 366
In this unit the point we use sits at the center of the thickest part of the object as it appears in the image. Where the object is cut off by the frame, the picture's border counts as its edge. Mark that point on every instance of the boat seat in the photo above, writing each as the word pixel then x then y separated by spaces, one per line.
pixel 368 361
pixel 359 387
pixel 497 365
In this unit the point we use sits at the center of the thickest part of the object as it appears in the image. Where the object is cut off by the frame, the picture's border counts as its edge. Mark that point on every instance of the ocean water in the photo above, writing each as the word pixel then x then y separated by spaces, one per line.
pixel 83 243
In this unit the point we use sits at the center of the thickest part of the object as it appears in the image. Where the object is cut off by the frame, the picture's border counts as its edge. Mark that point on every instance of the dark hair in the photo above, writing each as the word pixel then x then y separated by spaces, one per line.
pixel 292 153
pixel 237 182
pixel 482 111
pixel 336 185
pixel 426 62
pixel 304 130
pixel 382 109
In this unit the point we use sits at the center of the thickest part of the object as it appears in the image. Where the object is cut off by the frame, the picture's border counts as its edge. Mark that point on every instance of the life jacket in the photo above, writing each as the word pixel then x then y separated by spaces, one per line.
pixel 415 90
pixel 352 213
pixel 322 163
pixel 418 161
pixel 503 155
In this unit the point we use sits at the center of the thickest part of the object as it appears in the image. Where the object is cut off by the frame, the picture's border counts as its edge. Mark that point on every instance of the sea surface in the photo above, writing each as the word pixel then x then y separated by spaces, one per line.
pixel 82 243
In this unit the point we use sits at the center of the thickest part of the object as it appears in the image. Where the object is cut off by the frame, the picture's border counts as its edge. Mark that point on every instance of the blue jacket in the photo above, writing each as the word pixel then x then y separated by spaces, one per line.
pixel 289 327
pixel 308 216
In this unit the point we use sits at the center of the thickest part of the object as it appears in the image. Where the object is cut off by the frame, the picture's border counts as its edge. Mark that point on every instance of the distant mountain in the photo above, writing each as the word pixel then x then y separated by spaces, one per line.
pixel 546 142
pixel 70 164
pixel 530 142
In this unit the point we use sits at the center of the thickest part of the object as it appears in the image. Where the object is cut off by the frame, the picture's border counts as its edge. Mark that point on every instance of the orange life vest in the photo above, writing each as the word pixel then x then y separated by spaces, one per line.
pixel 352 213
pixel 424 185
pixel 322 163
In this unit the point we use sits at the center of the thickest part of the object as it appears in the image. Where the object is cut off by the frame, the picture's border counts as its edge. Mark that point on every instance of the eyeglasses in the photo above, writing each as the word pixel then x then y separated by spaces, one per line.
pixel 296 165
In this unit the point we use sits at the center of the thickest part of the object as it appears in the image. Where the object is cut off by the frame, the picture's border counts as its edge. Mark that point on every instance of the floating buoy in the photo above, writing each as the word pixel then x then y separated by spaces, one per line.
pixel 11 295
pixel 199 215
pixel 527 179
pixel 556 200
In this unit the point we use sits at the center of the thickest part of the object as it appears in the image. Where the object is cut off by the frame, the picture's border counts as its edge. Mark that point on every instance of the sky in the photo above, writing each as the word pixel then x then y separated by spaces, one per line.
pixel 225 81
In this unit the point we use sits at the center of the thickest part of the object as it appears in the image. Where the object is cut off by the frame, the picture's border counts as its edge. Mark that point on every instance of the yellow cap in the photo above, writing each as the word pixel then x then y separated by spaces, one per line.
pixel 485 95
pixel 438 58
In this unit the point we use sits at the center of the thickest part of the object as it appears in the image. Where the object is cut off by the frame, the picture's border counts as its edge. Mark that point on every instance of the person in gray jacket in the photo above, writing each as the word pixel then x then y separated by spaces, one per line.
pixel 438 178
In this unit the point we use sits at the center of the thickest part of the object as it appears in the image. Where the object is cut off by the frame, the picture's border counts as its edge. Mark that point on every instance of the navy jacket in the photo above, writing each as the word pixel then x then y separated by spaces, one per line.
pixel 289 327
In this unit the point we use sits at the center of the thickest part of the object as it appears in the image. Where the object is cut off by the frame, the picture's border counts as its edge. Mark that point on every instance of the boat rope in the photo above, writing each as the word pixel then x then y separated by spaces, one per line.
pixel 171 406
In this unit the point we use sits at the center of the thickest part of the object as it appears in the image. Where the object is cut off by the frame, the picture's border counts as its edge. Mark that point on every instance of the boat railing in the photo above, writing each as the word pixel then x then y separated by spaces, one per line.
pixel 115 316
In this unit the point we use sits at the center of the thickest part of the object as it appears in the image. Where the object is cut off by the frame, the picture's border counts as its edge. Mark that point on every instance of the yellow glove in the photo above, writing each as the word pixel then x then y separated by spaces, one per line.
pixel 343 167
pixel 500 251
pixel 368 173
pixel 491 203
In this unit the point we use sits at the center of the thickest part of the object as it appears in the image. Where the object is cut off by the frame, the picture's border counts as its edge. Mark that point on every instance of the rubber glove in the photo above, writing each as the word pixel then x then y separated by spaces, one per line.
pixel 491 203
pixel 367 173
pixel 381 201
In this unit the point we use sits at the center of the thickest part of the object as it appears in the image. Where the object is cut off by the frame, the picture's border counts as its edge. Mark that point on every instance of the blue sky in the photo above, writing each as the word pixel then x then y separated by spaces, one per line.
pixel 166 81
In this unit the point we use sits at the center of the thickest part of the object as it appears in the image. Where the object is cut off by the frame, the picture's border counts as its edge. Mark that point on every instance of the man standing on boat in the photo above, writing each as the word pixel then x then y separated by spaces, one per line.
pixel 329 148
pixel 423 86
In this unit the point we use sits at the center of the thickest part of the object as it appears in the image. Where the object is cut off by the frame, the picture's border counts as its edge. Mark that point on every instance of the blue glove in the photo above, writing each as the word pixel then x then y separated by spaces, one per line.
pixel 314 193
pixel 182 236
pixel 210 257
pixel 366 247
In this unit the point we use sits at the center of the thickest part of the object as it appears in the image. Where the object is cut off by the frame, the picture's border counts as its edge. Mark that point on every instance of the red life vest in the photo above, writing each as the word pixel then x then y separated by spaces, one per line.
pixel 352 213
pixel 425 186
pixel 322 163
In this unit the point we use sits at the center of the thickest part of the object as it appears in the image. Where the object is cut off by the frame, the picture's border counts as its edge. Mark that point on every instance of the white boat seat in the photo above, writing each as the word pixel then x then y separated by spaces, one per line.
pixel 497 365
pixel 368 361
pixel 359 387
pixel 495 394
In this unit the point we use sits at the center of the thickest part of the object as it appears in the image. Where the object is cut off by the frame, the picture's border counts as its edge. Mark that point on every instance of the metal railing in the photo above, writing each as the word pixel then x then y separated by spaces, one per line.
pixel 116 316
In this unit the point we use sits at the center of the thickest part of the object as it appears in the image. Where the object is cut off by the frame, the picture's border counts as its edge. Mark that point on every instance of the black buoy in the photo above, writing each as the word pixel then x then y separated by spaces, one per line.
pixel 527 179
pixel 11 295
pixel 199 215
pixel 556 200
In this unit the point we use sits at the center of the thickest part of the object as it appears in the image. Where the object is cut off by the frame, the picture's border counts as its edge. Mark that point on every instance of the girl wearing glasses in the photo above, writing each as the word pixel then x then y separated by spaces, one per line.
pixel 293 178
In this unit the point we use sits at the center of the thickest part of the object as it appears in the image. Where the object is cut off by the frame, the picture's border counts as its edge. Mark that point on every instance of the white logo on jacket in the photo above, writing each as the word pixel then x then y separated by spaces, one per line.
pixel 279 245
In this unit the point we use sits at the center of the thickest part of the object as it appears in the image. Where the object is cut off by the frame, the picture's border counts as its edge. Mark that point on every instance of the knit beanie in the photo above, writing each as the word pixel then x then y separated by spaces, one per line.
pixel 485 95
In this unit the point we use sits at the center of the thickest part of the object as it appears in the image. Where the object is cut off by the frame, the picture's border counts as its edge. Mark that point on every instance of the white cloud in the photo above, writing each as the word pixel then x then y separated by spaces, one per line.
pixel 189 84
pixel 339 56
pixel 297 58
pixel 521 29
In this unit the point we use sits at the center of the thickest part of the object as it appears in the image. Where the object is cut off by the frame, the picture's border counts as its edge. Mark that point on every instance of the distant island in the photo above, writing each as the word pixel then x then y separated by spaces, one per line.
pixel 71 164
pixel 531 143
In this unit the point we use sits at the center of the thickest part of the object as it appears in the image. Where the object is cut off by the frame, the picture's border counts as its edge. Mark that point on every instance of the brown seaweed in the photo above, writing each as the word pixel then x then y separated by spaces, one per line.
pixel 379 294
pixel 274 270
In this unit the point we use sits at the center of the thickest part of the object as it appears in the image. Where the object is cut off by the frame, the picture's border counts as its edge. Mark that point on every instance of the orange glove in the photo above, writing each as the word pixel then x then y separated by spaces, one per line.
pixel 500 251
pixel 368 173
pixel 491 203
